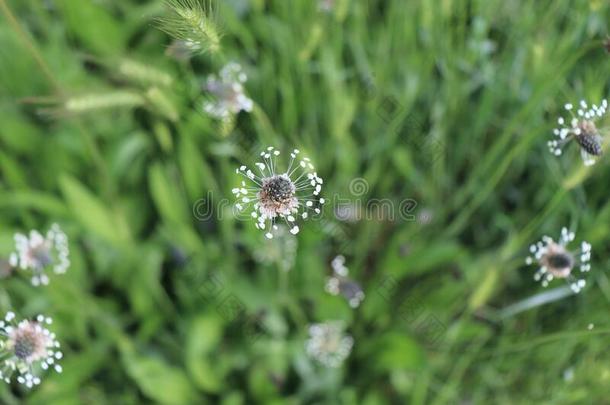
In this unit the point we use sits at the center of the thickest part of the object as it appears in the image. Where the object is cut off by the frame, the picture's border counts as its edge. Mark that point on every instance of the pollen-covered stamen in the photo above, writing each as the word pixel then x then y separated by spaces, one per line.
pixel 277 195
pixel 277 189
pixel 28 342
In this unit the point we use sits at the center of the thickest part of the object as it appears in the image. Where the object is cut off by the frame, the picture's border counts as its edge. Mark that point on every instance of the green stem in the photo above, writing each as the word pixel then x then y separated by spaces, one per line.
pixel 535 301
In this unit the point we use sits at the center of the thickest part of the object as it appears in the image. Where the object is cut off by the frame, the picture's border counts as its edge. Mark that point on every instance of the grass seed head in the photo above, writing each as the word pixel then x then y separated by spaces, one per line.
pixel 195 23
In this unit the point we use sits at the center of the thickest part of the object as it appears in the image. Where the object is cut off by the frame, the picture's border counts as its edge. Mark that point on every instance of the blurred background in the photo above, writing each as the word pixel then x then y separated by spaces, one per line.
pixel 427 120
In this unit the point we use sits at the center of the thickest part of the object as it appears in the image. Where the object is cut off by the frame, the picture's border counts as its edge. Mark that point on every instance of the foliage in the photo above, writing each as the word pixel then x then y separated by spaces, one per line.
pixel 448 104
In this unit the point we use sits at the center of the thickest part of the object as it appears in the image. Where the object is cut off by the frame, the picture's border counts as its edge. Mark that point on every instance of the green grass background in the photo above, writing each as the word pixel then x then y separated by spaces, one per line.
pixel 477 87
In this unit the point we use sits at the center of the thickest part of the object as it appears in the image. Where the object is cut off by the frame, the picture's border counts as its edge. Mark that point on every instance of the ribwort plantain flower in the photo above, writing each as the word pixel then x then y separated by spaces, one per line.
pixel 39 253
pixel 327 344
pixel 27 348
pixel 279 195
pixel 340 283
pixel 194 23
pixel 227 92
pixel 582 128
pixel 556 261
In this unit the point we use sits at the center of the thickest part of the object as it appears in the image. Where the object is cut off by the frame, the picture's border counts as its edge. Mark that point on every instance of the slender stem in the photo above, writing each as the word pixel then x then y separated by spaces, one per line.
pixel 535 301
pixel 294 310
pixel 29 45
pixel 268 132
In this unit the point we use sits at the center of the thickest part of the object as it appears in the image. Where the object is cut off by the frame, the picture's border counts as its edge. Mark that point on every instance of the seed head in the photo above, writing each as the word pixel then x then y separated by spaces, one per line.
pixel 227 93
pixel 27 348
pixel 582 128
pixel 589 139
pixel 195 23
pixel 556 261
pixel 328 344
pixel 275 196
pixel 340 283
pixel 39 253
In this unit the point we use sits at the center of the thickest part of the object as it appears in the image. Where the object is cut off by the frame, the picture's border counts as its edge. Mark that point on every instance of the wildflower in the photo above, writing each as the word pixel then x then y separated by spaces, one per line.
pixel 279 195
pixel 228 94
pixel 339 283
pixel 195 23
pixel 328 344
pixel 556 261
pixel 38 253
pixel 582 128
pixel 281 250
pixel 27 348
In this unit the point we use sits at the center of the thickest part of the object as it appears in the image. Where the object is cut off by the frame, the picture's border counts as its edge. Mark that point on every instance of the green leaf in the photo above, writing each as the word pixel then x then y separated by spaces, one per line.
pixel 93 213
pixel 485 289
pixel 395 351
pixel 87 21
pixel 166 195
pixel 158 380
pixel 203 338
pixel 29 199
pixel 193 168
